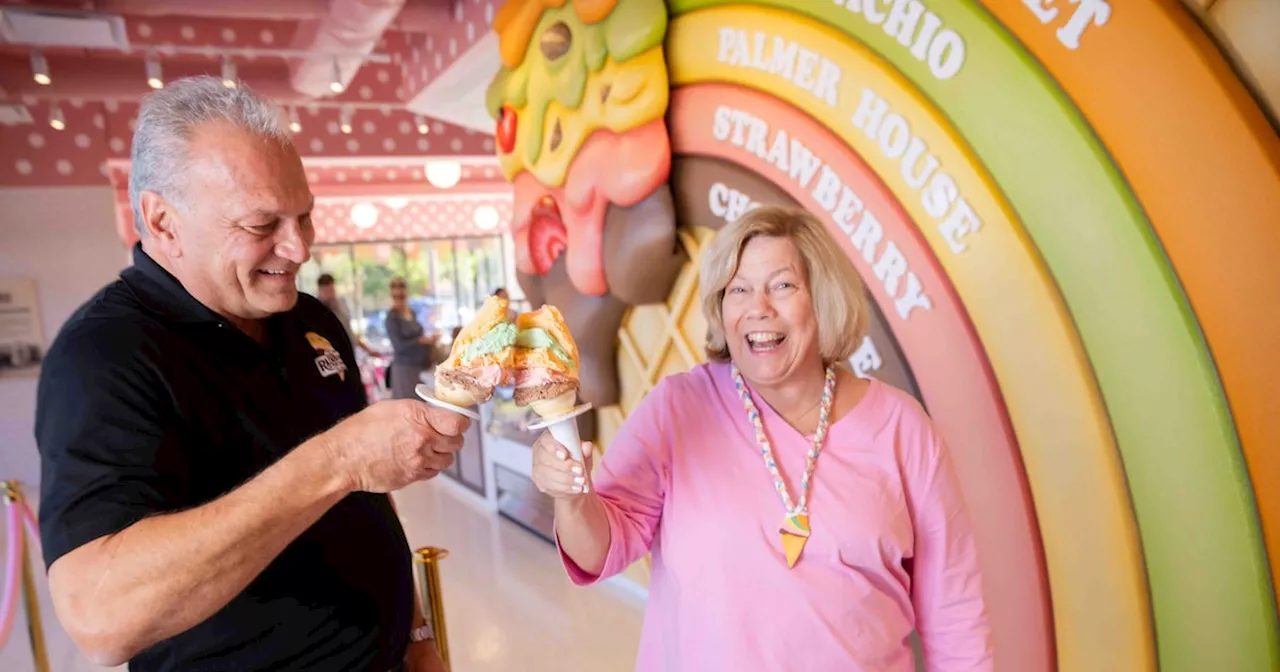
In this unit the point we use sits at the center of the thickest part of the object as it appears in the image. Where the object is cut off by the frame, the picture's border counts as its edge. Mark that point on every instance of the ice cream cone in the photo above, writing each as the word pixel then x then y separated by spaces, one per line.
pixel 564 429
pixel 565 432
pixel 792 544
pixel 454 395
pixel 555 406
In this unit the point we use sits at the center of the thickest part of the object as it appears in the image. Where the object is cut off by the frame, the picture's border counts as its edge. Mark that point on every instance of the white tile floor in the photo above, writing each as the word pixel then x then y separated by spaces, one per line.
pixel 508 605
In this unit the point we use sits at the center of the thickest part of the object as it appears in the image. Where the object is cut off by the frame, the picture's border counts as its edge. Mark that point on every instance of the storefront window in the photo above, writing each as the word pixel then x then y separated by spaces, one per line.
pixel 479 269
pixel 447 280
pixel 441 263
pixel 336 261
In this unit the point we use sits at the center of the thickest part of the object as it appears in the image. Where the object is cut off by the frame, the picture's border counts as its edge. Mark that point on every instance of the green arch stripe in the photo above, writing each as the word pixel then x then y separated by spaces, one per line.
pixel 1199 531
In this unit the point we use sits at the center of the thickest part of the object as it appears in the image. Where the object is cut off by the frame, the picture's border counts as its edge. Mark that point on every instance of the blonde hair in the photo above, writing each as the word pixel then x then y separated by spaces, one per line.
pixel 838 295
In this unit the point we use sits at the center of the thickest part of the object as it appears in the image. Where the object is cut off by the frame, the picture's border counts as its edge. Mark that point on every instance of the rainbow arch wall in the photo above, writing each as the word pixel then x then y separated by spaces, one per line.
pixel 1068 214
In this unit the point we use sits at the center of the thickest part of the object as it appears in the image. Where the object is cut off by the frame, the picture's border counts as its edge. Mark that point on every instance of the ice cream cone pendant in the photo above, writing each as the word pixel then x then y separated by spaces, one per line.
pixel 795 526
pixel 794 533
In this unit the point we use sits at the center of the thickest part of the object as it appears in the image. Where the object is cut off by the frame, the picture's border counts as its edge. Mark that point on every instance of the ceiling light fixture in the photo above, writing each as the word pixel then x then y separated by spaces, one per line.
pixel 336 85
pixel 444 174
pixel 345 120
pixel 422 124
pixel 486 217
pixel 56 120
pixel 155 79
pixel 40 68
pixel 228 73
pixel 295 124
pixel 364 215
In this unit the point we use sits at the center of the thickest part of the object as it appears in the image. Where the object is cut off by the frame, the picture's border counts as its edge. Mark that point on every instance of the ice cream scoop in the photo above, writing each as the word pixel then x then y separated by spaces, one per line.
pixel 545 363
pixel 480 358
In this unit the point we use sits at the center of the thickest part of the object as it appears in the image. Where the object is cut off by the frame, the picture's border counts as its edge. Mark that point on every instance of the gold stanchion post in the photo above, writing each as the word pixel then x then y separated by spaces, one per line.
pixel 30 599
pixel 427 566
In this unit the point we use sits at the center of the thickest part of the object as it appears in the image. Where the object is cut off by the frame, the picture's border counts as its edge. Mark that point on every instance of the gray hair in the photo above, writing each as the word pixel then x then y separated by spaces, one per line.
pixel 166 122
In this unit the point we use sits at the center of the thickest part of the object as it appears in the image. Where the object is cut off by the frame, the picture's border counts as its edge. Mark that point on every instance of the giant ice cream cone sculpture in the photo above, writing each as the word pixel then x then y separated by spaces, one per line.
pixel 580 105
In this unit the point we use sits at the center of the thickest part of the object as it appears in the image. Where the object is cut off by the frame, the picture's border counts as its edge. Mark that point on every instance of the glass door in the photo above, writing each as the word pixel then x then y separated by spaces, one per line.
pixel 375 264
pixel 441 262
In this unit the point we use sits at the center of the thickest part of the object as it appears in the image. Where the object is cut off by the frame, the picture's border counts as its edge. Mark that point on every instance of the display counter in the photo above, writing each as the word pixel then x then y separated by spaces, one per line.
pixel 510 461
pixel 496 463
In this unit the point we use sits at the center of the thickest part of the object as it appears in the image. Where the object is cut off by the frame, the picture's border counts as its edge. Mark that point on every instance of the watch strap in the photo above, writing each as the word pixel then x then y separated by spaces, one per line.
pixel 422 633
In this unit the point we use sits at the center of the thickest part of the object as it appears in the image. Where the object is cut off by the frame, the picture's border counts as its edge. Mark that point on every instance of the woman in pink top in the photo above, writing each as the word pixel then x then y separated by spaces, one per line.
pixel 799 517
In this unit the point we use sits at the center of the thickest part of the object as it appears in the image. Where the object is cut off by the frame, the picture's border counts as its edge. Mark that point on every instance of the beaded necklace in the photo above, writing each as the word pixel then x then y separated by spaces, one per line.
pixel 795 525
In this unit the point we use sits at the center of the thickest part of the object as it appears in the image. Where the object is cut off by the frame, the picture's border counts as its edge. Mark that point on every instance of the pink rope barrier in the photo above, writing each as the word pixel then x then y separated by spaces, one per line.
pixel 18 518
pixel 12 569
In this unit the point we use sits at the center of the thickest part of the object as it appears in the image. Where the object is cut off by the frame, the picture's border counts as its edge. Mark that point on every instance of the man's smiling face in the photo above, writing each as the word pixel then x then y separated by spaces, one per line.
pixel 244 227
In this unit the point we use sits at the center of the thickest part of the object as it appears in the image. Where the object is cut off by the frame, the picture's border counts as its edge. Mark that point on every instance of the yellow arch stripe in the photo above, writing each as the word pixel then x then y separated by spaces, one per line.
pixel 1100 599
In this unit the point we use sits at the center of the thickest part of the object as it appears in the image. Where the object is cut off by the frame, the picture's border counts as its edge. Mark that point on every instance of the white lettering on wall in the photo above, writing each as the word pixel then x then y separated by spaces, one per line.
pixel 912 24
pixel 1087 13
pixel 728 203
pixel 794 161
pixel 866 359
pixel 939 194
pixel 802 67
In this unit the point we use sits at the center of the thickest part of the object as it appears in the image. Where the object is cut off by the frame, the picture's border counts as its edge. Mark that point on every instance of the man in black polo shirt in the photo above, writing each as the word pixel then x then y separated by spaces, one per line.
pixel 213 485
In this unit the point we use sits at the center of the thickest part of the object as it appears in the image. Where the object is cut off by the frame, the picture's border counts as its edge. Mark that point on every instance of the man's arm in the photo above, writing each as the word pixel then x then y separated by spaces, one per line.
pixel 121 593
pixel 133 559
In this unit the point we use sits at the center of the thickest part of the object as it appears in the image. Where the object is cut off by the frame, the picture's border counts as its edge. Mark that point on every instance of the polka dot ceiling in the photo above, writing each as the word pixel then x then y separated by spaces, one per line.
pixel 97 130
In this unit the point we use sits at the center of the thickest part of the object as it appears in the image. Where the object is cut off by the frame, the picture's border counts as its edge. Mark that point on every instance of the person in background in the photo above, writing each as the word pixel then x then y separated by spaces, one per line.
pixel 413 348
pixel 327 292
pixel 800 518
pixel 213 487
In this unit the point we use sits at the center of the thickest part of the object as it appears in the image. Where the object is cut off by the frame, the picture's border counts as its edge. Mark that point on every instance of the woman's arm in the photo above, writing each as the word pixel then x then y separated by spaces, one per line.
pixel 582 525
pixel 951 614
pixel 611 525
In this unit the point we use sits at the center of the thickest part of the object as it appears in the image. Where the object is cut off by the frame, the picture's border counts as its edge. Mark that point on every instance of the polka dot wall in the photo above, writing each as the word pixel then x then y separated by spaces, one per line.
pixel 480 204
pixel 431 217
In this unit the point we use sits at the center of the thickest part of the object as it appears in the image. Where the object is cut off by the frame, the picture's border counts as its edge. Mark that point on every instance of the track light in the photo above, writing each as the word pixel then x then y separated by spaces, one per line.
pixel 228 73
pixel 336 85
pixel 154 78
pixel 422 124
pixel 295 124
pixel 40 68
pixel 56 120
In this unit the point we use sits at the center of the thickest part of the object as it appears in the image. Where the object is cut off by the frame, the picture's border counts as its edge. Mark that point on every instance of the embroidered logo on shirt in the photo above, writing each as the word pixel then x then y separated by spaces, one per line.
pixel 329 362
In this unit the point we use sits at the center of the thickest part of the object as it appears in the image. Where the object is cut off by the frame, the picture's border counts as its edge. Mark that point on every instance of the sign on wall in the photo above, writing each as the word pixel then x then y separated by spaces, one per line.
pixel 21 332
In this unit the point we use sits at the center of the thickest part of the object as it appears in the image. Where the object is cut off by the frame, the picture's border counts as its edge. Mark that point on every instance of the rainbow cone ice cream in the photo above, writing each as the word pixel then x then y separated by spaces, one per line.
pixel 480 358
pixel 545 363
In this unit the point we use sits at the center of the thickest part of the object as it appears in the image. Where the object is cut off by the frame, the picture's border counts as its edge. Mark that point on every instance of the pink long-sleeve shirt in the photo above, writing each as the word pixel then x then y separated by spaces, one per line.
pixel 891 547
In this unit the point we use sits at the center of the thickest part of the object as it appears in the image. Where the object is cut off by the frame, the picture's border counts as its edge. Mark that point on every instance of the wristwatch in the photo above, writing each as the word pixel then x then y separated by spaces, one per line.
pixel 422 633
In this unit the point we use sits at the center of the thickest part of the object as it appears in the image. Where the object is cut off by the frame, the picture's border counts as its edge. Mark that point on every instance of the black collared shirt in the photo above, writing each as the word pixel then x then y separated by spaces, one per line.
pixel 149 403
